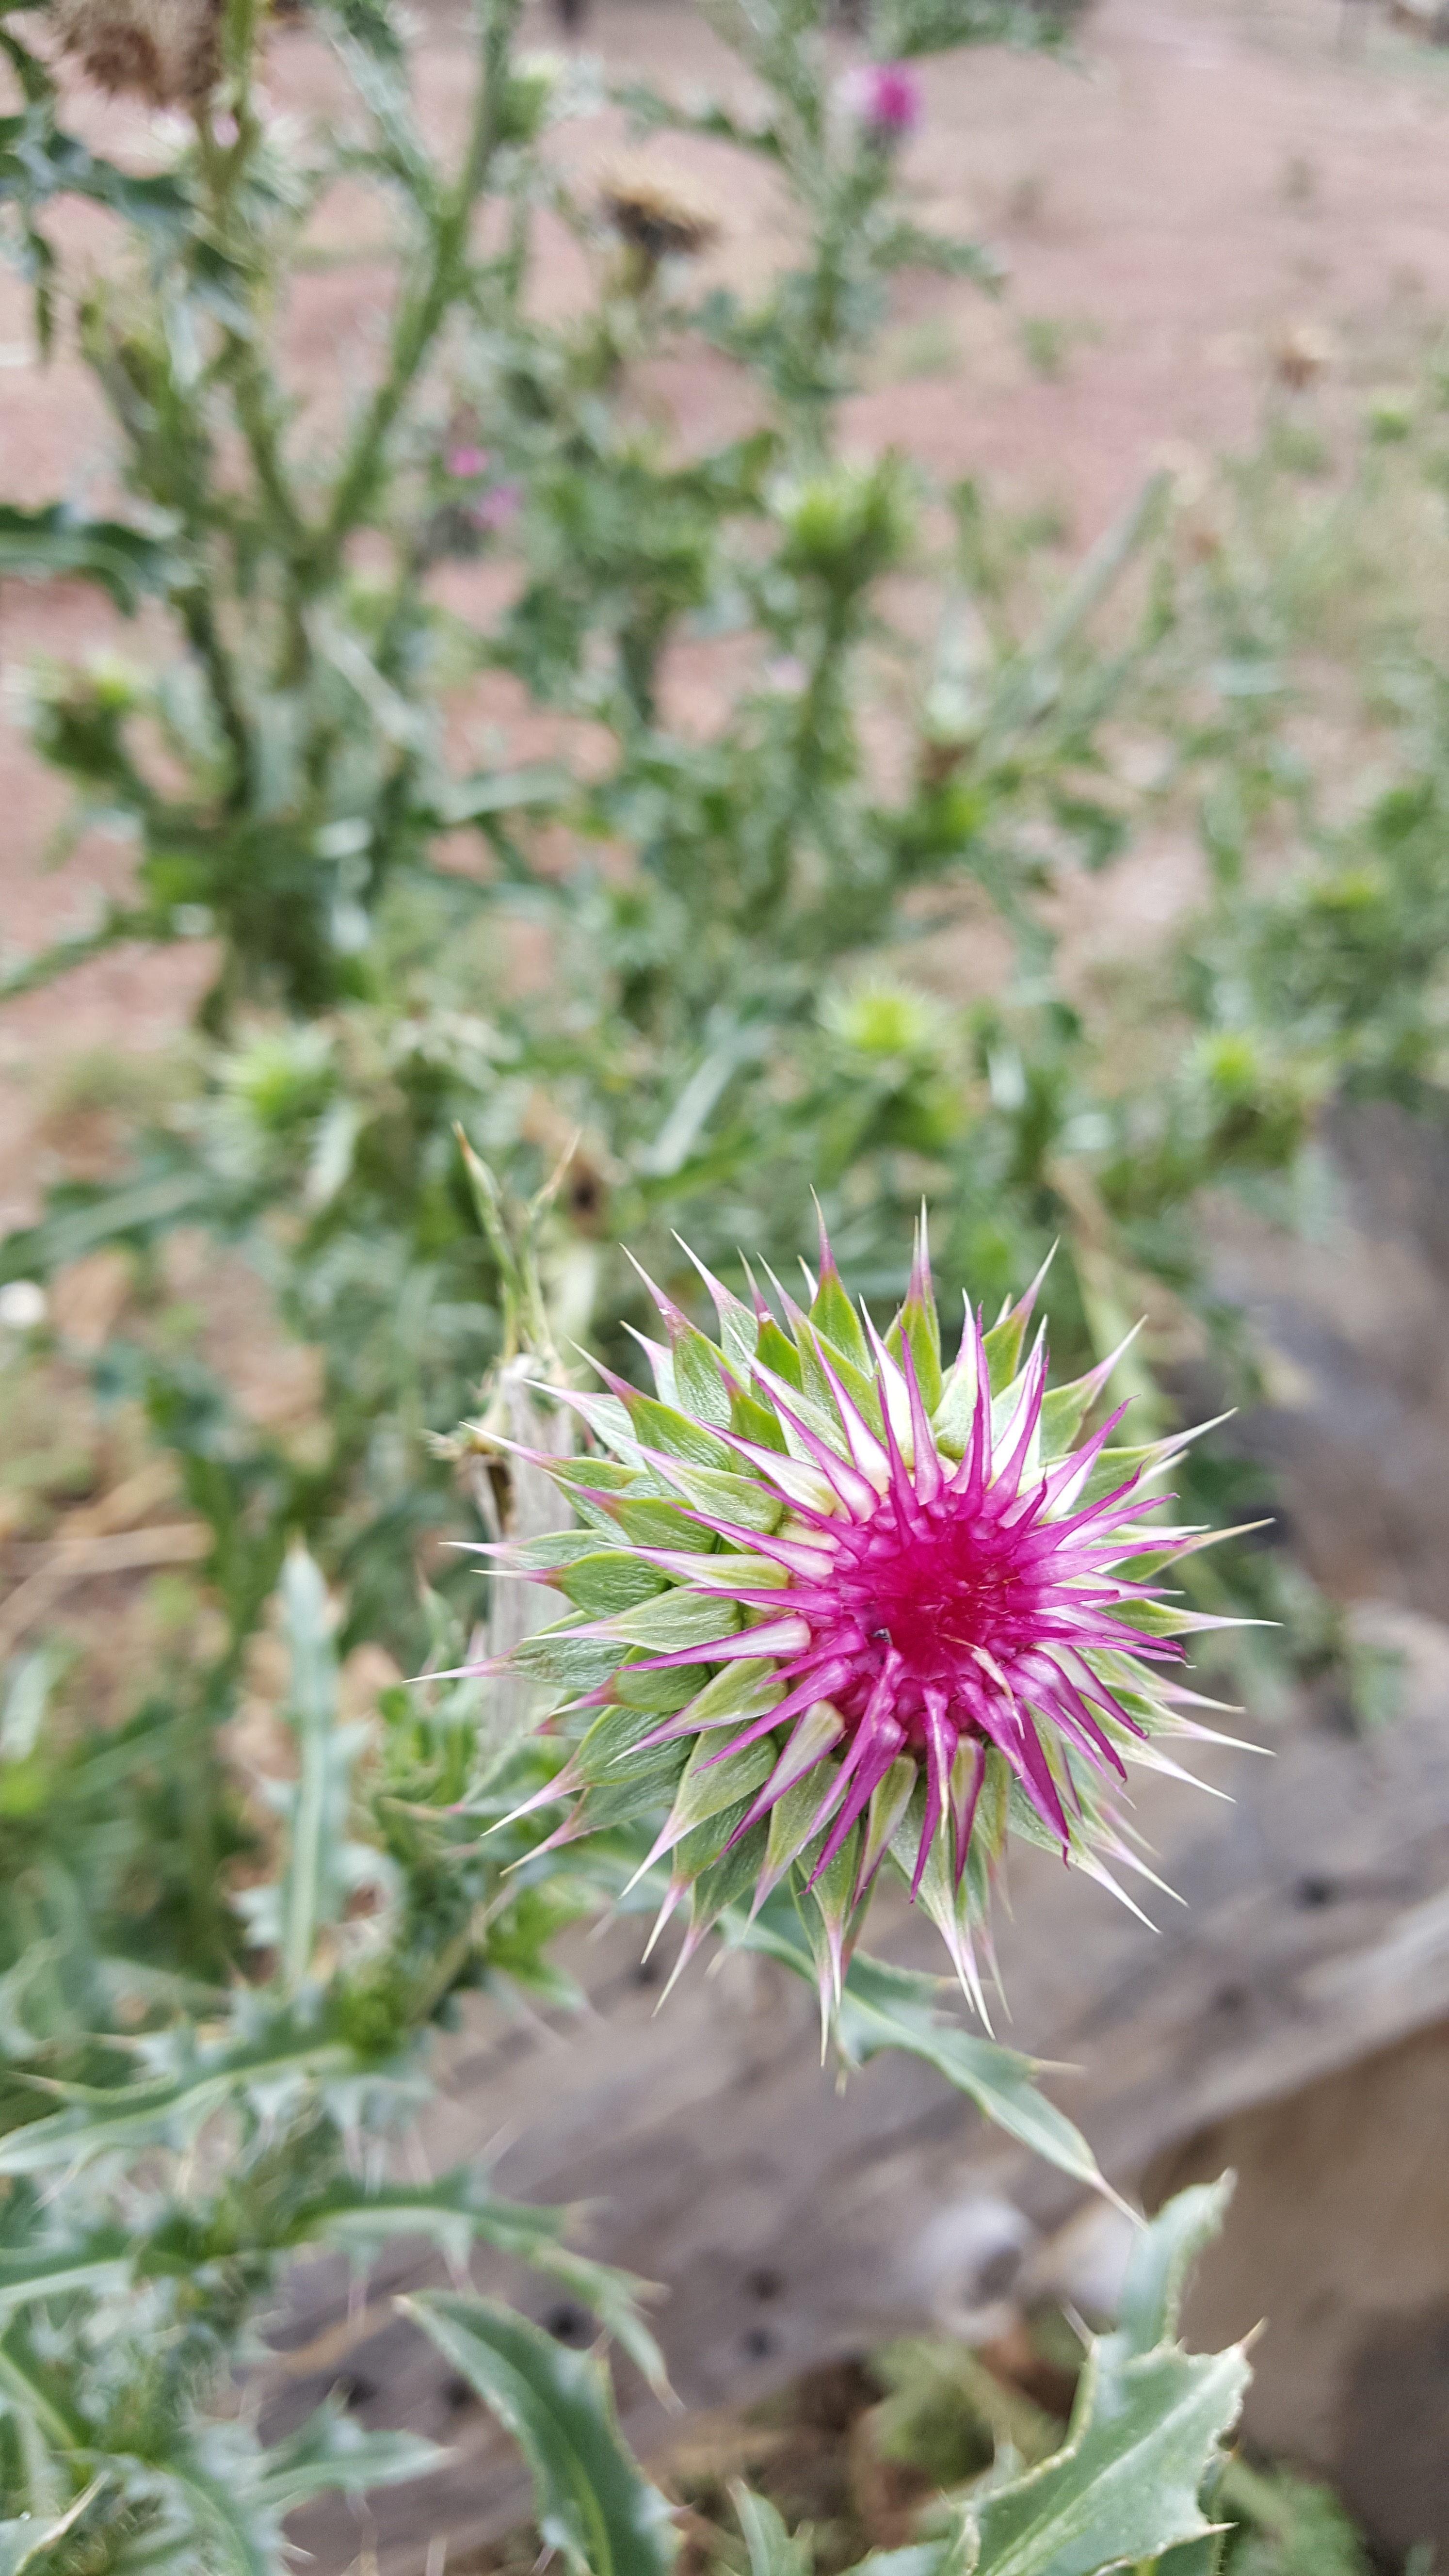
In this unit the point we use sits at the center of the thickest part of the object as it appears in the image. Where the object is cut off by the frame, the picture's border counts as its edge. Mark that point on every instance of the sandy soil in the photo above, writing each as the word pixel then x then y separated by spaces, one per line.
pixel 1211 173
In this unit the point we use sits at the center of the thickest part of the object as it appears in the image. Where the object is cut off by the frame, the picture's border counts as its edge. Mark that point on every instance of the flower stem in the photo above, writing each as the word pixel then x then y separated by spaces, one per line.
pixel 425 308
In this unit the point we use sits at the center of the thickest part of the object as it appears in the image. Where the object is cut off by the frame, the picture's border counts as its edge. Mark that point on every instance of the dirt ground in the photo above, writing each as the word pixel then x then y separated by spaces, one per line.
pixel 1209 174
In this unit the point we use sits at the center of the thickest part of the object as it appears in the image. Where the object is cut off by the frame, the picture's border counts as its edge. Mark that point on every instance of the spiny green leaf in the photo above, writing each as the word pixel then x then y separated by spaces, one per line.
pixel 594 2504
pixel 38 161
pixel 58 544
pixel 922 2559
pixel 281 2061
pixel 772 2551
pixel 745 1688
pixel 501 791
pixel 329 2452
pixel 98 2263
pixel 664 1692
pixel 953 2555
pixel 1204 2557
pixel 459 2210
pixel 1126 2485
pixel 1286 2526
pixel 314 1881
pixel 640 1789
pixel 1063 1411
pixel 709 1842
pixel 1158 2266
pixel 884 2007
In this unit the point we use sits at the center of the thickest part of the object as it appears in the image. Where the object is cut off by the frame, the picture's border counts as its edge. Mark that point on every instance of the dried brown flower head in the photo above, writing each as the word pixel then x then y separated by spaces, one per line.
pixel 1301 354
pixel 165 51
pixel 655 212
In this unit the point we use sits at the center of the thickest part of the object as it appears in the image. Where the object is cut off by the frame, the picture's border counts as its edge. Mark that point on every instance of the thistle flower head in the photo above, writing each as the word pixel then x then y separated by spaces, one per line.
pixel 497 508
pixel 1302 353
pixel 832 1603
pixel 655 212
pixel 165 51
pixel 883 100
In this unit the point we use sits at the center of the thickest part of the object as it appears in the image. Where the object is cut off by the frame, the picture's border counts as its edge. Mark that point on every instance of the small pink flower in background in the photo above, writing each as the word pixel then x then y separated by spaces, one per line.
pixel 787 675
pixel 494 510
pixel 465 464
pixel 884 99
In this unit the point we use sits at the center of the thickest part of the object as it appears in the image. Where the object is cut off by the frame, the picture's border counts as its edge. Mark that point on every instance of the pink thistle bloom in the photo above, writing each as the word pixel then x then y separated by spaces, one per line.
pixel 884 99
pixel 494 510
pixel 834 1604
pixel 465 464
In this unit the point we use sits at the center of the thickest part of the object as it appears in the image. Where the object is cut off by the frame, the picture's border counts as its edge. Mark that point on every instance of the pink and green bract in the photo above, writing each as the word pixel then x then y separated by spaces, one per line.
pixel 832 1603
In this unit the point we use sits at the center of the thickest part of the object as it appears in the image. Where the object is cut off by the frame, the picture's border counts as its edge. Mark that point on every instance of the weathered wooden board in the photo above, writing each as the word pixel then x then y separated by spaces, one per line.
pixel 1339 2239
pixel 791 2221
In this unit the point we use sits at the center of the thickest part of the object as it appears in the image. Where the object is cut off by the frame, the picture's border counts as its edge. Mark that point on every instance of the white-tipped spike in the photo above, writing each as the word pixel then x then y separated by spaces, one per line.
pixel 1146 1752
pixel 1091 1867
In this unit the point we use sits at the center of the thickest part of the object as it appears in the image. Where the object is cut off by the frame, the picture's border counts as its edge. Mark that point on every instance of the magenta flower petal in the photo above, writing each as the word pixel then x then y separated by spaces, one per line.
pixel 884 99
